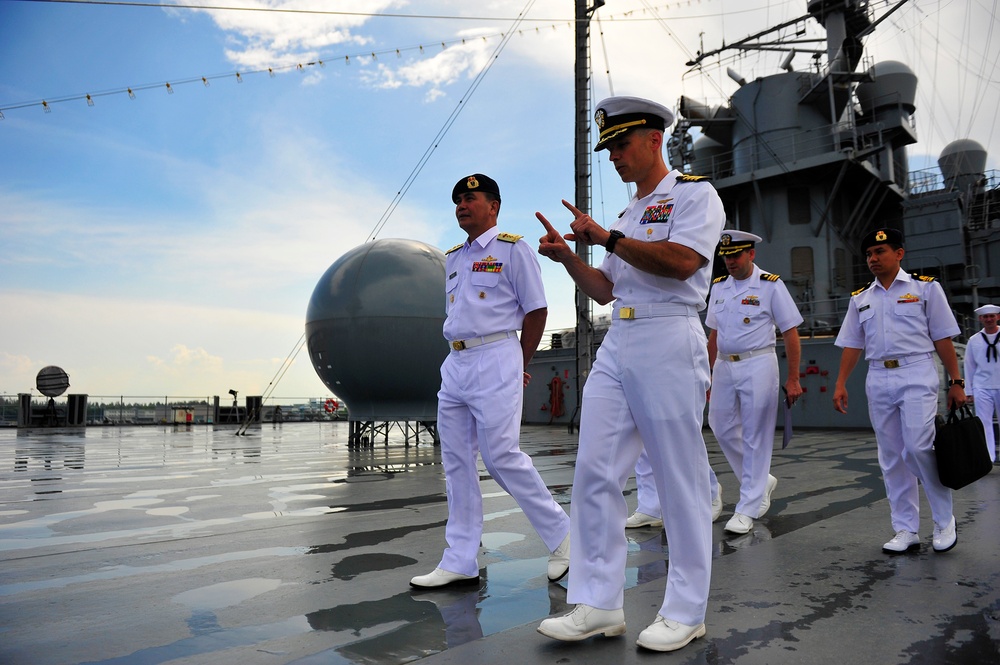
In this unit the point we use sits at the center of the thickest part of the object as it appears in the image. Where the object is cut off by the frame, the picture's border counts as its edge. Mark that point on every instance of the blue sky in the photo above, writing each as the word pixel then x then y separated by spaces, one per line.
pixel 169 244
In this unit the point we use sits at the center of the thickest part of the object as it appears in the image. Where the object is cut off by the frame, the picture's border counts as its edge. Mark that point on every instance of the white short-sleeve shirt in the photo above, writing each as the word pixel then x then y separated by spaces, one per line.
pixel 490 284
pixel 903 320
pixel 683 211
pixel 746 311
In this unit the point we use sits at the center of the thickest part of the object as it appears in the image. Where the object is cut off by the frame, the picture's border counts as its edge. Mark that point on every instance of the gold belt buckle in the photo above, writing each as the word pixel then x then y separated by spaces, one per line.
pixel 734 357
pixel 458 345
pixel 890 364
pixel 626 313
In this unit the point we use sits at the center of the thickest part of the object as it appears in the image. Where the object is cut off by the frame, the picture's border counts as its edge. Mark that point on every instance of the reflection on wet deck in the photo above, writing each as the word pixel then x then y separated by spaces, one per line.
pixel 192 545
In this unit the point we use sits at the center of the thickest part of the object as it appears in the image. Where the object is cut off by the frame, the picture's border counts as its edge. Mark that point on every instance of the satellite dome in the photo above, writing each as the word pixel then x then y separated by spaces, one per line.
pixel 373 330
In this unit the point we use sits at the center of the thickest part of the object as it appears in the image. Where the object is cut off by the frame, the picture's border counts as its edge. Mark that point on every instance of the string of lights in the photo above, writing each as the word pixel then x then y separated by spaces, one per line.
pixel 646 13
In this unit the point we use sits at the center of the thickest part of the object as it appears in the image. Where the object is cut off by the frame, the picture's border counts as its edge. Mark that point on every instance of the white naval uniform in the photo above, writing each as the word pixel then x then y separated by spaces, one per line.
pixel 647 388
pixel 982 381
pixel 490 285
pixel 744 403
pixel 899 326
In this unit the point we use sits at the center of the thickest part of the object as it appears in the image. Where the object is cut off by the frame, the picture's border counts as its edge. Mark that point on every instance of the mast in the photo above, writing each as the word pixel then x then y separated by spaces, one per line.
pixel 582 157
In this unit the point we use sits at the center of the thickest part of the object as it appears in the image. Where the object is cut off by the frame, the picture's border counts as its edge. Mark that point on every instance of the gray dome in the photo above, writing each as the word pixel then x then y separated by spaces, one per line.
pixel 962 164
pixel 373 330
pixel 894 85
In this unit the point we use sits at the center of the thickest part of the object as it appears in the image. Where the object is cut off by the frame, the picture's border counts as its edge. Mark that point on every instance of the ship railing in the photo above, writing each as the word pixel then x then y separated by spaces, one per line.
pixel 180 409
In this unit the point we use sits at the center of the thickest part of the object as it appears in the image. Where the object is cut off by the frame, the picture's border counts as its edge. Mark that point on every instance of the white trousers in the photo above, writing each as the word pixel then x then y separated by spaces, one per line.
pixel 479 412
pixel 987 403
pixel 647 388
pixel 645 486
pixel 742 413
pixel 902 404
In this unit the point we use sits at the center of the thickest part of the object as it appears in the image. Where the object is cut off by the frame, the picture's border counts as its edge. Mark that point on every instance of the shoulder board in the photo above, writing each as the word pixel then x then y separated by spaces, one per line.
pixel 509 237
pixel 720 279
pixel 770 277
pixel 863 288
pixel 922 278
pixel 691 178
pixel 455 248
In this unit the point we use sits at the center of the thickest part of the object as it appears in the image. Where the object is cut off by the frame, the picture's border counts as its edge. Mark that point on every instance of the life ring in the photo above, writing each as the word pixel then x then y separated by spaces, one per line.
pixel 330 406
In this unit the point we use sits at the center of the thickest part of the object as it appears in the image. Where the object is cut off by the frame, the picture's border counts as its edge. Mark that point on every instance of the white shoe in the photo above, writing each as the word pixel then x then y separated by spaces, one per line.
pixel 946 538
pixel 583 622
pixel 637 520
pixel 441 578
pixel 903 541
pixel 717 504
pixel 772 482
pixel 666 635
pixel 739 523
pixel 559 561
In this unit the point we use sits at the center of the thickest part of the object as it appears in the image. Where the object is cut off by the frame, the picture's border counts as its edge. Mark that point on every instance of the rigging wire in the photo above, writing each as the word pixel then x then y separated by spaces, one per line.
pixel 435 142
pixel 272 386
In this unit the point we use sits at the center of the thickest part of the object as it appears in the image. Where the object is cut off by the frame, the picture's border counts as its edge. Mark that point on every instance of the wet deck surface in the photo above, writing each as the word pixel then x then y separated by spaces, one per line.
pixel 163 545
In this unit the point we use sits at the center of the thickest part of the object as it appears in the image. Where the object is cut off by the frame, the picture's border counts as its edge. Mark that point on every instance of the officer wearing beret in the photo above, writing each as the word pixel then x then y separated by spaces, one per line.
pixel 648 383
pixel 493 288
pixel 898 321
pixel 744 308
pixel 982 371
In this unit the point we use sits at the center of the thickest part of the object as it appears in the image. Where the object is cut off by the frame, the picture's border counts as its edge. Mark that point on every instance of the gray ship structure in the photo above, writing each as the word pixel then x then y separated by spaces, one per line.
pixel 810 161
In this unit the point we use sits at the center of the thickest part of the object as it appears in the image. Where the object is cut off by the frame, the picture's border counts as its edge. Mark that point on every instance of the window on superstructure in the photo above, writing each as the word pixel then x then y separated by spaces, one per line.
pixel 840 268
pixel 802 264
pixel 798 205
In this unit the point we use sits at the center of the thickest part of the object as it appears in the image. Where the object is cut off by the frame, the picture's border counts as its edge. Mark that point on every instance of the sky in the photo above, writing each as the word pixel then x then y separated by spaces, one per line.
pixel 166 241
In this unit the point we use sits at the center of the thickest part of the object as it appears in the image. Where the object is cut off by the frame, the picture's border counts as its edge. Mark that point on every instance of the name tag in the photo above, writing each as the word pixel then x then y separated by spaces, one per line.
pixel 861 309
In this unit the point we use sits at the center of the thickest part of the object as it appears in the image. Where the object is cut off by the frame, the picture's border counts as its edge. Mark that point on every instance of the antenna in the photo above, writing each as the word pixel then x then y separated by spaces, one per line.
pixel 786 64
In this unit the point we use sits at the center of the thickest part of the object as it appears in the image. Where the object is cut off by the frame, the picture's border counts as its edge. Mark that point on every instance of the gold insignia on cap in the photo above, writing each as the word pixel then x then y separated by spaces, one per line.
pixel 600 117
pixel 726 239
pixel 880 236
pixel 472 183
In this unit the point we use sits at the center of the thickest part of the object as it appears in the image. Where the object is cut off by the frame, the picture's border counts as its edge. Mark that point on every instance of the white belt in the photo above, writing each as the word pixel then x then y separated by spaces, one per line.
pixel 736 357
pixel 652 310
pixel 893 363
pixel 461 344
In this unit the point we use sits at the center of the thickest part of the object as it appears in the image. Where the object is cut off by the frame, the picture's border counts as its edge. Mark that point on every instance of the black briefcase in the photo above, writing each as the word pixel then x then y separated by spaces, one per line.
pixel 960 448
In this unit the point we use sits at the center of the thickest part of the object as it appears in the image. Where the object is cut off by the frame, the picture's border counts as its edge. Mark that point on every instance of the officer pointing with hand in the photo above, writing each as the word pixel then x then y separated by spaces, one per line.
pixel 648 383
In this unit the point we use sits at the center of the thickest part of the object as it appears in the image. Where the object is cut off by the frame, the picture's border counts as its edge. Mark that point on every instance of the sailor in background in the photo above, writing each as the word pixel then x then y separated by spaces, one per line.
pixel 647 387
pixel 744 307
pixel 982 371
pixel 493 285
pixel 898 321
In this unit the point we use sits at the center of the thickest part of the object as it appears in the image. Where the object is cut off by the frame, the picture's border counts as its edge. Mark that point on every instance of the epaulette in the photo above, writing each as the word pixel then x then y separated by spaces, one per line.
pixel 770 277
pixel 922 278
pixel 684 177
pixel 456 247
pixel 720 279
pixel 863 288
pixel 509 237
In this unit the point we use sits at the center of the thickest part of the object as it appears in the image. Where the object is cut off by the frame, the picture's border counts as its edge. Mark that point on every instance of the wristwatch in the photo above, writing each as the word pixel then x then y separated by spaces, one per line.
pixel 957 382
pixel 614 236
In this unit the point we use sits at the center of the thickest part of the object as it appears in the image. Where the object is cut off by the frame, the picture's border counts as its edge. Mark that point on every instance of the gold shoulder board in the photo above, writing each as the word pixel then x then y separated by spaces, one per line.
pixel 456 247
pixel 863 288
pixel 922 278
pixel 720 279
pixel 770 277
pixel 691 178
pixel 509 237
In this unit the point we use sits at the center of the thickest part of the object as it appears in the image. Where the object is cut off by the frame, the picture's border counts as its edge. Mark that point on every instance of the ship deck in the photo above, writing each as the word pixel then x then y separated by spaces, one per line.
pixel 193 545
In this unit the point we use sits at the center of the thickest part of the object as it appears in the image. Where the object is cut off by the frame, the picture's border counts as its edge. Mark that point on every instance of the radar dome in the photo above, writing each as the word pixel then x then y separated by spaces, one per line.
pixel 373 330
pixel 893 85
pixel 962 164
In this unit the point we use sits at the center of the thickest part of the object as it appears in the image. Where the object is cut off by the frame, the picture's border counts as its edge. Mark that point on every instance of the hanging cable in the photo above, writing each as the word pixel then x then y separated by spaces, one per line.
pixel 447 124
pixel 278 375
